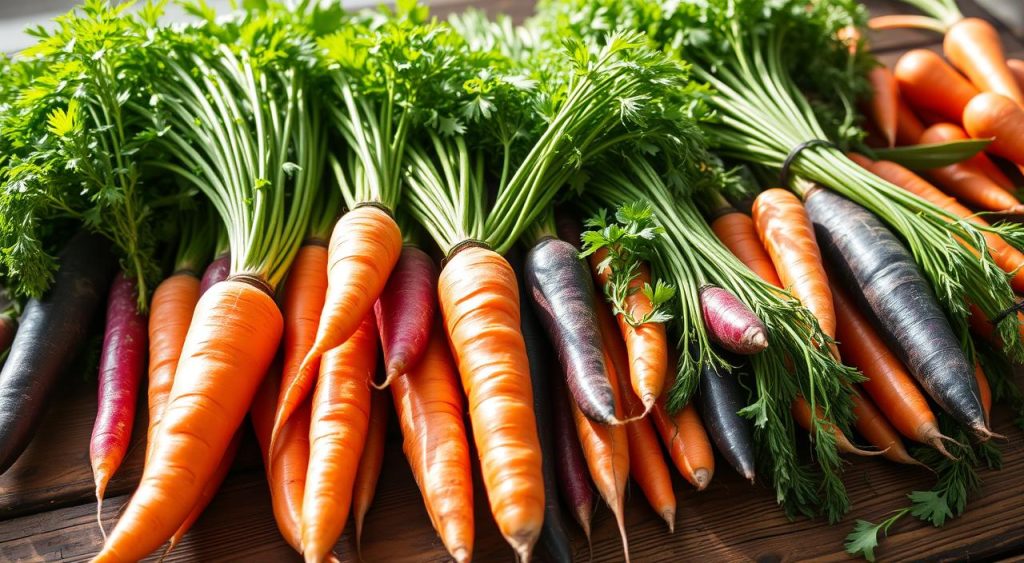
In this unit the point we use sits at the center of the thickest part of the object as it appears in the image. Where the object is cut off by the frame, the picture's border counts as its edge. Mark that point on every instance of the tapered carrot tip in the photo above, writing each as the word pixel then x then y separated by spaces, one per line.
pixel 669 516
pixel 756 339
pixel 749 475
pixel 394 370
pixel 102 478
pixel 583 516
pixel 460 555
pixel 844 445
pixel 984 434
pixel 702 478
pixel 523 547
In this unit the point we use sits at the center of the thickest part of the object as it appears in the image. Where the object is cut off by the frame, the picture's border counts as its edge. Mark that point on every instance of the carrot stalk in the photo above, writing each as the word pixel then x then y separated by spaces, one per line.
pixel 730 323
pixel 405 311
pixel 370 463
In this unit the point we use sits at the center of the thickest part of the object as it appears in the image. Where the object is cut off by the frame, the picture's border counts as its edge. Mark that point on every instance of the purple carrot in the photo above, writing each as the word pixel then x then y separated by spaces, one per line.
pixel 217 271
pixel 573 474
pixel 122 362
pixel 405 312
pixel 730 323
pixel 51 330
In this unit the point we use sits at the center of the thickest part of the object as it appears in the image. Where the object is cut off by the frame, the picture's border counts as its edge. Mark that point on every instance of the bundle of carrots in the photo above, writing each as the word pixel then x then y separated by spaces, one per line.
pixel 530 224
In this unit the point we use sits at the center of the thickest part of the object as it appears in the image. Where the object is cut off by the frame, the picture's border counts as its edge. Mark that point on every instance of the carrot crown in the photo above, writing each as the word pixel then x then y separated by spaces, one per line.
pixel 231 99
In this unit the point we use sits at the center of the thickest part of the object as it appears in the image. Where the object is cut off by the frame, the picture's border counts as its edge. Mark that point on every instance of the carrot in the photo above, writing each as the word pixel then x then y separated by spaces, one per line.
pixel 801 410
pixel 405 311
pixel 739 234
pixel 646 462
pixel 873 426
pixel 286 468
pixel 984 390
pixel 573 481
pixel 303 303
pixel 787 234
pixel 968 183
pixel 8 328
pixel 479 300
pixel 429 405
pixel 606 449
pixel 946 132
pixel 974 47
pixel 888 383
pixel 928 83
pixel 1016 67
pixel 1008 258
pixel 687 442
pixel 122 361
pixel 337 434
pixel 884 102
pixel 720 402
pixel 730 323
pixel 364 248
pixel 908 125
pixel 993 116
pixel 216 271
pixel 231 342
pixel 370 462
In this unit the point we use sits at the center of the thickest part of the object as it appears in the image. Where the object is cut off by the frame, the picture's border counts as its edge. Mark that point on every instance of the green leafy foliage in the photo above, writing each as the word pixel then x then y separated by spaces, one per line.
pixel 926 157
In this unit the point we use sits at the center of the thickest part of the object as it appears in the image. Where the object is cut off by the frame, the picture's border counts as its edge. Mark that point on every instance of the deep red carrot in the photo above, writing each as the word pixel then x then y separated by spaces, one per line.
pixel 730 323
pixel 573 478
pixel 908 125
pixel 884 102
pixel 973 46
pixel 218 270
pixel 122 363
pixel 928 83
pixel 405 311
pixel 370 462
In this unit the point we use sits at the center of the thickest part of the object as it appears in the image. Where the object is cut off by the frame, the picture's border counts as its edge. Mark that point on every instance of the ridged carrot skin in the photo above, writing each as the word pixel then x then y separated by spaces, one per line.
pixel 948 132
pixel 739 234
pixel 364 248
pixel 908 126
pixel 973 46
pixel 429 405
pixel 479 300
pixel 339 421
pixel 370 462
pixel 801 410
pixel 122 363
pixel 561 291
pixel 730 323
pixel 899 300
pixel 1008 258
pixel 892 389
pixel 720 402
pixel 993 116
pixel 687 442
pixel 230 344
pixel 883 103
pixel 872 425
pixel 405 311
pixel 928 83
pixel 208 492
pixel 304 293
pixel 966 182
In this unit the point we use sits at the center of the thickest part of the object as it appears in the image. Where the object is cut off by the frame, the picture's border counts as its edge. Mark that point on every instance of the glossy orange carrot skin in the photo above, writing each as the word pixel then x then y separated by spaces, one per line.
pixel 371 461
pixel 364 248
pixel 908 126
pixel 479 299
pixel 209 491
pixel 888 383
pixel 429 405
pixel 928 83
pixel 1008 258
pixel 966 181
pixel 305 291
pixel 230 344
pixel 884 102
pixel 973 46
pixel 1016 67
pixel 787 234
pixel 338 426
pixel 947 132
pixel 991 115
pixel 739 234
pixel 286 469
pixel 687 442
pixel 873 426
pixel 801 410
pixel 984 390
pixel 171 310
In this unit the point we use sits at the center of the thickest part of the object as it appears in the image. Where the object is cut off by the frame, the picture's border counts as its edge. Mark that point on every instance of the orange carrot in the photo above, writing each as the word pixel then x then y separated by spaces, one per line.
pixel 209 491
pixel 687 442
pixel 337 434
pixel 967 182
pixel 884 102
pixel 801 410
pixel 1005 256
pixel 286 469
pixel 984 390
pixel 974 47
pixel 606 449
pixel 305 291
pixel 738 233
pixel 788 235
pixel 993 116
pixel 928 83
pixel 370 463
pixel 947 132
pixel 429 405
pixel 871 424
pixel 1016 67
pixel 364 248
pixel 230 344
pixel 890 386
pixel 479 300
pixel 908 126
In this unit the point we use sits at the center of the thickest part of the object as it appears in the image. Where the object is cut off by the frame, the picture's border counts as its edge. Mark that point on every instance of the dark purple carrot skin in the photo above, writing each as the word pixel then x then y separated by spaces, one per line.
pixel 217 271
pixel 554 535
pixel 875 267
pixel 405 311
pixel 720 401
pixel 51 331
pixel 570 465
pixel 730 323
pixel 562 292
pixel 122 363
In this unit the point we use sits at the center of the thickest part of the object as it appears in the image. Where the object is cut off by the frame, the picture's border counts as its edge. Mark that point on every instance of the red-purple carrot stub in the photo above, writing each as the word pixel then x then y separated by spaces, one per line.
pixel 730 323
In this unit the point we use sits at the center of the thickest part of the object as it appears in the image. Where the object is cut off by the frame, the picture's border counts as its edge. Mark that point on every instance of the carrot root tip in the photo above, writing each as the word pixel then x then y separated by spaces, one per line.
pixel 701 478
pixel 756 339
pixel 460 555
pixel 523 548
pixel 749 475
pixel 583 516
pixel 669 516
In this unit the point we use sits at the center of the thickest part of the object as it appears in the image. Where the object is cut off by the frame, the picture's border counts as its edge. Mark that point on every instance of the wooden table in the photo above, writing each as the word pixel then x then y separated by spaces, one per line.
pixel 47 512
